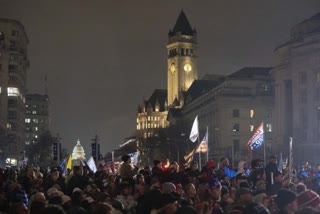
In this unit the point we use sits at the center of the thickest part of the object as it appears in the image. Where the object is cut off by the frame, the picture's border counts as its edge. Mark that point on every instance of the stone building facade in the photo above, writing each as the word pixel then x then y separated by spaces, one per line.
pixel 297 87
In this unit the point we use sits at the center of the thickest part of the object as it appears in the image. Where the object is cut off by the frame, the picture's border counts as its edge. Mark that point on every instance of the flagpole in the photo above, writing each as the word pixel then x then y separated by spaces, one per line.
pixel 264 146
pixel 112 156
pixel 199 154
pixel 207 144
pixel 290 159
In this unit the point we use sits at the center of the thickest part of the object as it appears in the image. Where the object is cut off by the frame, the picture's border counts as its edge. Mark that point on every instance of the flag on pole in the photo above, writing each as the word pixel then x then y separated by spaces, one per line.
pixel 69 163
pixel 257 139
pixel 194 134
pixel 203 146
pixel 134 157
pixel 91 164
pixel 63 166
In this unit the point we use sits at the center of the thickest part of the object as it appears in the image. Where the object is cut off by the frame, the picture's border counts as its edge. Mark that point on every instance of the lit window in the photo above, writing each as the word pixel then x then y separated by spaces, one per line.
pixel 34 112
pixel 36 128
pixel 36 136
pixel 27 120
pixel 27 142
pixel 268 127
pixel 251 113
pixel 35 120
pixel 151 125
pixel 157 108
pixel 148 125
pixel 148 118
pixel 251 128
pixel 13 92
pixel 0 90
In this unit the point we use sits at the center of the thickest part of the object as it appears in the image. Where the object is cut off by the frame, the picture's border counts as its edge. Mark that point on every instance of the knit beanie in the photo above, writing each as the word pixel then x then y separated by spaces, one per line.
pixel 308 198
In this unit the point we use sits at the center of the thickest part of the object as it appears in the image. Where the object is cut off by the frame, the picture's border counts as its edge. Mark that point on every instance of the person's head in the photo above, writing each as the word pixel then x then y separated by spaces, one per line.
pixel 126 159
pixel 194 165
pixel 241 178
pixel 244 195
pixel 301 187
pixel 214 189
pixel 224 193
pixel 139 179
pixel 102 208
pixel 54 174
pixel 261 185
pixel 157 163
pixel 273 159
pixel 224 162
pixel 286 200
pixel 173 167
pixel 211 164
pixel 168 204
pixel 78 170
pixel 168 187
pixel 37 207
pixel 190 190
pixel 125 188
pixel 262 198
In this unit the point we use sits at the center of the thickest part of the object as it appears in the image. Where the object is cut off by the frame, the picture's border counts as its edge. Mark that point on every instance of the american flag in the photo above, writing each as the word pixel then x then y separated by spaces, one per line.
pixel 257 139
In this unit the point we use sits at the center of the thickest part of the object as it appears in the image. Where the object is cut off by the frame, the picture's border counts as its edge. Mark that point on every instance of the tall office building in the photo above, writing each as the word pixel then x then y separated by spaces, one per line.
pixel 37 118
pixel 13 74
pixel 297 87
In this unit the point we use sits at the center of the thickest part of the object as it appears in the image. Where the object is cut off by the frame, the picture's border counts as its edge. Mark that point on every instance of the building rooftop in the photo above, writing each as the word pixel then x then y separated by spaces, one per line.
pixel 182 26
pixel 250 72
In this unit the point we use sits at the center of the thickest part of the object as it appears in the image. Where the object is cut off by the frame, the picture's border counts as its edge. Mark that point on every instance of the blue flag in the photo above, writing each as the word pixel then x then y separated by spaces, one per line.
pixel 63 166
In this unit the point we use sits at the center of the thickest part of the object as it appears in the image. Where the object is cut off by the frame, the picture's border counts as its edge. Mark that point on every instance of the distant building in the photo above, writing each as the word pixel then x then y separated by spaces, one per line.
pixel 37 117
pixel 13 74
pixel 78 153
pixel 181 60
pixel 181 72
pixel 297 87
pixel 232 108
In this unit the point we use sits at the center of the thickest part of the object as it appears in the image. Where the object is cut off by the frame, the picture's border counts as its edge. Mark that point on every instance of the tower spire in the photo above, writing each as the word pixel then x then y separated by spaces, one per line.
pixel 182 25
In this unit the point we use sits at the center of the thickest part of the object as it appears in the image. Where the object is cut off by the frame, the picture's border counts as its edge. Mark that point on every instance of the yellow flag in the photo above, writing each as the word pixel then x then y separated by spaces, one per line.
pixel 69 163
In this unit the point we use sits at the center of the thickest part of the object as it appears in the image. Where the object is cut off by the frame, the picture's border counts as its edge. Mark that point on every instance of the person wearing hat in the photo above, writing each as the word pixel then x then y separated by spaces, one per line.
pixel 286 201
pixel 207 171
pixel 168 204
pixel 54 178
pixel 212 195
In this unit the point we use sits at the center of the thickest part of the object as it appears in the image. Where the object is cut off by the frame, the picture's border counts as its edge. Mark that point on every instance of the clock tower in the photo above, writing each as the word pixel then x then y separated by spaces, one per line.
pixel 181 58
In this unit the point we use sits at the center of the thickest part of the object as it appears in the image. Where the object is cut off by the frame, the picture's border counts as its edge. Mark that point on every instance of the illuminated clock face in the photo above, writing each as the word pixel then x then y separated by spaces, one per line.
pixel 172 67
pixel 187 67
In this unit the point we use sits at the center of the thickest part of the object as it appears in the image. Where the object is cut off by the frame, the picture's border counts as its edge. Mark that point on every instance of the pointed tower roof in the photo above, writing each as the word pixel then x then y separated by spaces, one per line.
pixel 182 25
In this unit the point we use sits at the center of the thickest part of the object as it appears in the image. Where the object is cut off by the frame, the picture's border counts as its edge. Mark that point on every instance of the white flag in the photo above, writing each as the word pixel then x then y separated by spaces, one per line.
pixel 91 164
pixel 134 157
pixel 203 147
pixel 194 134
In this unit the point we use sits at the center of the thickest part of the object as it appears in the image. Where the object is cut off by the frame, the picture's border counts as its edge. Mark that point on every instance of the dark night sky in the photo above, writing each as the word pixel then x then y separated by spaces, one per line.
pixel 103 57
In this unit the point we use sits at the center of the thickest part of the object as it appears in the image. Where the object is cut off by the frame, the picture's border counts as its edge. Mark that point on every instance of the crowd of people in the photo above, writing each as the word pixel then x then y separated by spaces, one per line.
pixel 216 188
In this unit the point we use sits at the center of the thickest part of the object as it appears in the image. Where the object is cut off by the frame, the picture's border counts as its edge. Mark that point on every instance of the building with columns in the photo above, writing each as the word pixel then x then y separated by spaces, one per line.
pixel 13 74
pixel 297 91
